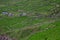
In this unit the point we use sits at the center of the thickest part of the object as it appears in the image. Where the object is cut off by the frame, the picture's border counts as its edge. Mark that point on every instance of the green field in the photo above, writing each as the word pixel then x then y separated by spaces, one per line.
pixel 42 27
pixel 39 6
pixel 50 34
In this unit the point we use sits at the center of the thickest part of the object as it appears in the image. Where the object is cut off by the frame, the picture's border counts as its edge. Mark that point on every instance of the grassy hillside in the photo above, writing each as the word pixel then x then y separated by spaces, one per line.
pixel 50 34
pixel 39 6
pixel 29 27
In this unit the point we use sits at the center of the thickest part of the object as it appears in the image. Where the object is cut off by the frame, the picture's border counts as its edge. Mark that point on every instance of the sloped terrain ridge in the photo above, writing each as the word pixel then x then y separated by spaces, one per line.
pixel 29 19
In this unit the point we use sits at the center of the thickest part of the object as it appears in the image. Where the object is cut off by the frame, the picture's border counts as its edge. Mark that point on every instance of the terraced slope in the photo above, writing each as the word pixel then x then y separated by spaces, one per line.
pixel 34 6
pixel 50 34
pixel 30 27
pixel 22 33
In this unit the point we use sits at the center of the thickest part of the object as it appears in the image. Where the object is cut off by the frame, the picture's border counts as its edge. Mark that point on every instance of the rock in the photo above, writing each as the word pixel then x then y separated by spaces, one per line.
pixel 57 5
pixel 23 14
pixel 4 13
pixel 10 14
pixel 4 37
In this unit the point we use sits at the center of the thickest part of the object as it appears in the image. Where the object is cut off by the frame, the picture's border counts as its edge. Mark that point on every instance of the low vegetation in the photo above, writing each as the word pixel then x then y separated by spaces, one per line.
pixel 29 19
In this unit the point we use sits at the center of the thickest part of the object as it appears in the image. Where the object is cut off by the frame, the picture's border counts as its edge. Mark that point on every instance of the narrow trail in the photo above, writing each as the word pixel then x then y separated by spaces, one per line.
pixel 37 32
pixel 38 24
pixel 26 38
pixel 21 23
pixel 35 26
pixel 31 27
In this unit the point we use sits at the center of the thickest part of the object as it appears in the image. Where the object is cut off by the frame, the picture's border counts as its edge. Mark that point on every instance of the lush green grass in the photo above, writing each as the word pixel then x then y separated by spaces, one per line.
pixel 7 23
pixel 30 6
pixel 10 24
pixel 50 34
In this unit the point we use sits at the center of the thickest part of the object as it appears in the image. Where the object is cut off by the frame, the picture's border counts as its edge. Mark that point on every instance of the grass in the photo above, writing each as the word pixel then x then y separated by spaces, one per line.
pixel 50 34
pixel 28 6
pixel 14 24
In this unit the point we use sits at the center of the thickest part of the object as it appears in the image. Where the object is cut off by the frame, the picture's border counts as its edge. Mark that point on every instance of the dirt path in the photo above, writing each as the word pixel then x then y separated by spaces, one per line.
pixel 26 38
pixel 31 27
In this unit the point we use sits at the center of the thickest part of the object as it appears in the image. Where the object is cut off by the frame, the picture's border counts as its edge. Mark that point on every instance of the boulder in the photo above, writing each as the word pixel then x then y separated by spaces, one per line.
pixel 5 13
pixel 23 14
pixel 10 14
pixel 4 37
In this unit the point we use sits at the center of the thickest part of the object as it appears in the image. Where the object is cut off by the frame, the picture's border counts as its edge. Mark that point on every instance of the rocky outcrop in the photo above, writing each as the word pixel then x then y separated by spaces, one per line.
pixel 4 37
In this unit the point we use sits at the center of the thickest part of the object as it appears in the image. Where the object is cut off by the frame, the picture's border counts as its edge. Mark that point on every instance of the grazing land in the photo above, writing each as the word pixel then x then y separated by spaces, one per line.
pixel 29 19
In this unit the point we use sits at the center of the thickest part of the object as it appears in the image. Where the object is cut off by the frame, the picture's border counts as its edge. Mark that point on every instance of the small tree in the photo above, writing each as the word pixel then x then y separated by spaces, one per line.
pixel 46 38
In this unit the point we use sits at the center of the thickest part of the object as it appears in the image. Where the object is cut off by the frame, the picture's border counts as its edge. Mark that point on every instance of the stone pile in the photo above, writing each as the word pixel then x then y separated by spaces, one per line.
pixel 4 37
